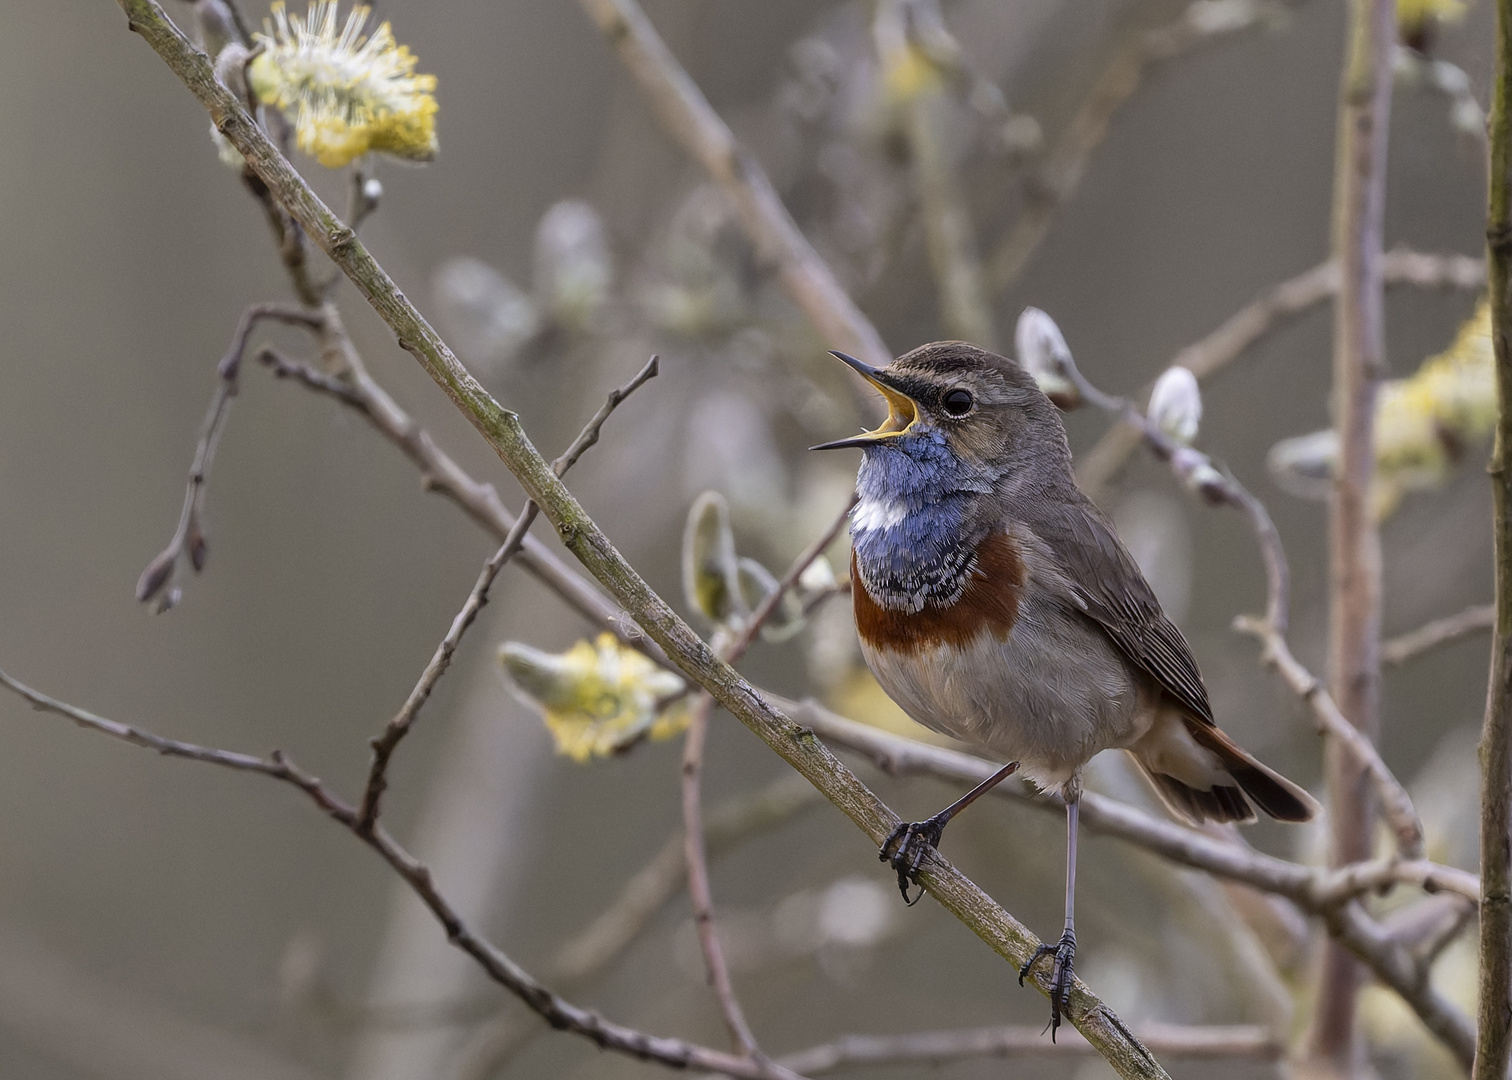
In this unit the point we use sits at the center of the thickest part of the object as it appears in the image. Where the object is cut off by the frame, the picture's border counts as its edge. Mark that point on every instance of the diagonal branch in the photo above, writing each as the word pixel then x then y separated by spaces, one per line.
pixel 1063 168
pixel 940 1047
pixel 689 118
pixel 385 744
pixel 504 433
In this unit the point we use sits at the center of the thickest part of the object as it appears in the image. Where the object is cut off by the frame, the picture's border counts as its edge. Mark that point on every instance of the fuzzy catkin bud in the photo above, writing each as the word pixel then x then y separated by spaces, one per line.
pixel 1044 354
pixel 1176 404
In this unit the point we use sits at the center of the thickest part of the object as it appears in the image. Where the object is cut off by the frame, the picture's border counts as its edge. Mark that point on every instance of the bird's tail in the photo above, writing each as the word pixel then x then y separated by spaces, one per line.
pixel 1202 794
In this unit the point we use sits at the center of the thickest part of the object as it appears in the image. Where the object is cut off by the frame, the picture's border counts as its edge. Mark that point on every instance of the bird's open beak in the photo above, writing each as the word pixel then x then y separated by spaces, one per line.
pixel 901 410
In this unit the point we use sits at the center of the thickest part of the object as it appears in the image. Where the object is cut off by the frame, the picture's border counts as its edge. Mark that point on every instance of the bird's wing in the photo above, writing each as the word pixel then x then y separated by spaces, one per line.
pixel 1095 574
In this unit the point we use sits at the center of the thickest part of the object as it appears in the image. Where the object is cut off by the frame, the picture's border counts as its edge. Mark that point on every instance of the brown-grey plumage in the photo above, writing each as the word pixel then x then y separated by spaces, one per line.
pixel 996 603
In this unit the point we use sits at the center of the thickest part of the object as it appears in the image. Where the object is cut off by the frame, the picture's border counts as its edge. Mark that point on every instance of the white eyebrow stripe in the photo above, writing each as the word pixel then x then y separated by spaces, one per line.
pixel 873 513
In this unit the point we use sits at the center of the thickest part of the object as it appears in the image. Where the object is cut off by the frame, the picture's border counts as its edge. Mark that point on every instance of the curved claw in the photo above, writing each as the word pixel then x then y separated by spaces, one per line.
pixel 1061 975
pixel 904 850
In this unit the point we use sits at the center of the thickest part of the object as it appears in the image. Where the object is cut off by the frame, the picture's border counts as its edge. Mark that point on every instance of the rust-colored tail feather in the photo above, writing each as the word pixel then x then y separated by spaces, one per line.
pixel 1268 789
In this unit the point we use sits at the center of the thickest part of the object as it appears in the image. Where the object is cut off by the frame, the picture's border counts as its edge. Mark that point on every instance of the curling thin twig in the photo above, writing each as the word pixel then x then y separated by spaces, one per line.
pixel 157 580
pixel 1431 635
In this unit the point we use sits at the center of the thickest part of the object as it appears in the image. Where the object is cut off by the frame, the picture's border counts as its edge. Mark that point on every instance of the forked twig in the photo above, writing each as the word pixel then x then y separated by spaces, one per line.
pixel 384 745
pixel 555 1010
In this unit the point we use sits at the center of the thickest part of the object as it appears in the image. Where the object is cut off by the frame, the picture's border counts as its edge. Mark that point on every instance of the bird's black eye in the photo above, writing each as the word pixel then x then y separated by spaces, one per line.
pixel 958 402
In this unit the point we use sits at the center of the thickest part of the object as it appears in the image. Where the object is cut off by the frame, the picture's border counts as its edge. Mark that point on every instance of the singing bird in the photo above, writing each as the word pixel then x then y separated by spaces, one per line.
pixel 995 603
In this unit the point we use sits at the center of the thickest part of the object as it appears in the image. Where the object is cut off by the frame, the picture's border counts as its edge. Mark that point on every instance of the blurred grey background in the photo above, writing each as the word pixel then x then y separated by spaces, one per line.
pixel 162 919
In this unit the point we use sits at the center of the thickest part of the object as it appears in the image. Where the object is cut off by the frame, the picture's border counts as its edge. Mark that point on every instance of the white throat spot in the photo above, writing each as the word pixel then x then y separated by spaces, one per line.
pixel 872 513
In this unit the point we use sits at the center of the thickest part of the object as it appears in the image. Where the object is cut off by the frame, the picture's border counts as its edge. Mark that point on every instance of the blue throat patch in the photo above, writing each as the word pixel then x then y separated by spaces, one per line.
pixel 915 530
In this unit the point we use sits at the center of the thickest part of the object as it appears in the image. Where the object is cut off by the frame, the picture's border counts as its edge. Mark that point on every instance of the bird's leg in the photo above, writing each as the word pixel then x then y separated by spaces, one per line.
pixel 905 846
pixel 1064 950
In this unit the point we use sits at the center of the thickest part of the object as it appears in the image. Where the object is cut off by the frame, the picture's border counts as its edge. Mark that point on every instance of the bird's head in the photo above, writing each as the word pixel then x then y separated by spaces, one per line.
pixel 954 399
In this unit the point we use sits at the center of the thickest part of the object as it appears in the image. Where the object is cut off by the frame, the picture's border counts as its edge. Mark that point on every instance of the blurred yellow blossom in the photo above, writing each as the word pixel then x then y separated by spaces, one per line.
pixel 1425 424
pixel 1412 13
pixel 346 93
pixel 598 697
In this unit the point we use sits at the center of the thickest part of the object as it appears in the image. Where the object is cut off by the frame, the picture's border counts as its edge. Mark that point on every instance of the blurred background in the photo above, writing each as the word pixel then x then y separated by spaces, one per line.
pixel 163 919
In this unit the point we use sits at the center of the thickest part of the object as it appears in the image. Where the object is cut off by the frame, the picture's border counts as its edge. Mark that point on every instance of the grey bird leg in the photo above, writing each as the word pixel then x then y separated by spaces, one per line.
pixel 905 846
pixel 1064 950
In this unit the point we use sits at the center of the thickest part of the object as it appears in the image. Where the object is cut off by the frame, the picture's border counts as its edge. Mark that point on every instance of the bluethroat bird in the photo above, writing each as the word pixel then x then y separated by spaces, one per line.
pixel 995 603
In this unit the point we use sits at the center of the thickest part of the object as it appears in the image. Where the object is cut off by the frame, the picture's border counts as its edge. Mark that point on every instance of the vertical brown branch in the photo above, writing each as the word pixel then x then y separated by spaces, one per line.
pixel 1354 546
pixel 1495 1022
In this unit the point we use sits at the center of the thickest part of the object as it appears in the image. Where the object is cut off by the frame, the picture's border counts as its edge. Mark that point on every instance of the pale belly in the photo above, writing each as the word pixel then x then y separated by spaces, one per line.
pixel 1049 697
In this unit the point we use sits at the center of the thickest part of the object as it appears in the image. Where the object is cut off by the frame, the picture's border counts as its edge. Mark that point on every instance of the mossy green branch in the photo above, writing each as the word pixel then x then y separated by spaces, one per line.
pixel 502 429
pixel 1495 1020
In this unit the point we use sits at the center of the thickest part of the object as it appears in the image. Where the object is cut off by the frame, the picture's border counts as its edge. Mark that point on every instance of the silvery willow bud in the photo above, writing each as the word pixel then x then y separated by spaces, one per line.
pixel 1044 354
pixel 573 268
pixel 710 568
pixel 488 316
pixel 1176 404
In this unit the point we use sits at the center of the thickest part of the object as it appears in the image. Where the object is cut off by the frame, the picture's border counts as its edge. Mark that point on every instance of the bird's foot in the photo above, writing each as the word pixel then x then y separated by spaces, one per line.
pixel 905 848
pixel 1061 976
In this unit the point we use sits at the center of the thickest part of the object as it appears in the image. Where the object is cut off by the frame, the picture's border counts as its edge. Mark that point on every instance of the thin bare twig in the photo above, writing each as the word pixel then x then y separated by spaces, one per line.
pixel 940 1047
pixel 1495 981
pixel 603 940
pixel 1058 176
pixel 157 580
pixel 1431 635
pixel 480 501
pixel 385 744
pixel 557 1012
pixel 1268 312
pixel 689 118
pixel 700 893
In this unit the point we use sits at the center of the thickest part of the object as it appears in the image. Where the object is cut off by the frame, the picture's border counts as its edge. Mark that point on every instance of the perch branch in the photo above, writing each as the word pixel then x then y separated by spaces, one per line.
pixel 941 1047
pixel 385 744
pixel 1495 981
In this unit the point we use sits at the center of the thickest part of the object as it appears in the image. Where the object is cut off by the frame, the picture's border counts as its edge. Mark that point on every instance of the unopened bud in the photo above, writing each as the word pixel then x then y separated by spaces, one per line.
pixel 1176 404
pixel 1044 354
